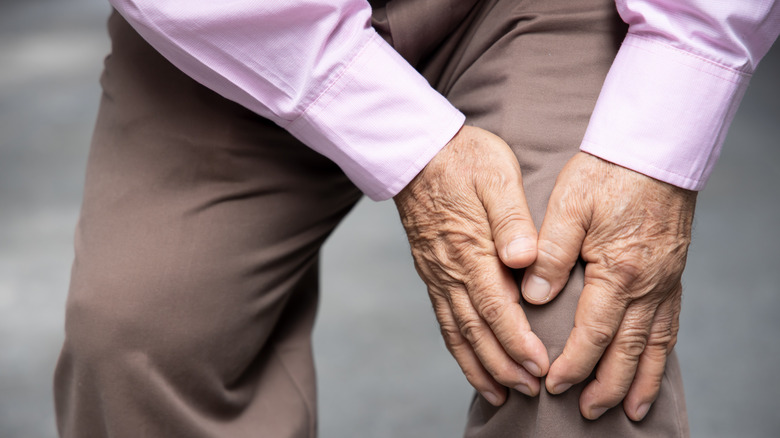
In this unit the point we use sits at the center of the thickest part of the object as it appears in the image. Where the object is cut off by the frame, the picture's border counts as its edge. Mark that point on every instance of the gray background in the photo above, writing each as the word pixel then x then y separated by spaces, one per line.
pixel 383 370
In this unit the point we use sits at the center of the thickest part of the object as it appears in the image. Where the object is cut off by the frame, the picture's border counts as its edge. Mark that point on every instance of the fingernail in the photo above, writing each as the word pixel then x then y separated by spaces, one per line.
pixel 597 412
pixel 532 368
pixel 536 289
pixel 518 247
pixel 491 398
pixel 524 389
pixel 642 410
pixel 561 388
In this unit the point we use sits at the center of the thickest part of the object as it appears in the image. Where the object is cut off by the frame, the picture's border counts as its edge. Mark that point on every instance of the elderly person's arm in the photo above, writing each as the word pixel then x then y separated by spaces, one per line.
pixel 318 69
pixel 664 111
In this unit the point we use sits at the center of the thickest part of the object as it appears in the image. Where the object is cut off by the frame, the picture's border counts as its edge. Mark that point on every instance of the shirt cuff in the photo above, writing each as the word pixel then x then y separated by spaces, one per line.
pixel 380 121
pixel 664 112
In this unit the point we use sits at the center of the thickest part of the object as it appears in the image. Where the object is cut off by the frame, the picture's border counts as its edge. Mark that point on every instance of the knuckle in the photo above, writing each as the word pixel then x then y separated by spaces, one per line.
pixel 465 250
pixel 481 280
pixel 459 241
pixel 471 329
pixel 672 342
pixel 440 272
pixel 622 273
pixel 598 335
pixel 435 292
pixel 506 220
pixel 553 254
pixel 451 335
pixel 614 392
pixel 656 355
pixel 526 341
pixel 491 309
pixel 629 269
pixel 629 351
pixel 662 336
pixel 631 343
pixel 664 332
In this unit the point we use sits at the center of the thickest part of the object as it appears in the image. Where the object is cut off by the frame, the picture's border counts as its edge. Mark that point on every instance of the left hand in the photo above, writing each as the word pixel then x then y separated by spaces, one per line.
pixel 633 233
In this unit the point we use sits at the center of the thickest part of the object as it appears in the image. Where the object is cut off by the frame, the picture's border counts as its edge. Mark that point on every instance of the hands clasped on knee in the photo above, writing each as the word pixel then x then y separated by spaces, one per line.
pixel 468 222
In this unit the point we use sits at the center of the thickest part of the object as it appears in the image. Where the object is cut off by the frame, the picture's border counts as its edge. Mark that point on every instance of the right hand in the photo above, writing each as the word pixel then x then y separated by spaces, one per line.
pixel 467 221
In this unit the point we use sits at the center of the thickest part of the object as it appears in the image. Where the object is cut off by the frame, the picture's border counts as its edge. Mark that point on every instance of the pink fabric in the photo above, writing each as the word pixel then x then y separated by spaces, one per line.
pixel 318 69
pixel 679 76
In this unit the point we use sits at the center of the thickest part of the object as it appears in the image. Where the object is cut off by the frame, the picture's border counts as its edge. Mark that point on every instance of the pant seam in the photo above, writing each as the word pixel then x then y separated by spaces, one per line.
pixel 301 393
pixel 676 408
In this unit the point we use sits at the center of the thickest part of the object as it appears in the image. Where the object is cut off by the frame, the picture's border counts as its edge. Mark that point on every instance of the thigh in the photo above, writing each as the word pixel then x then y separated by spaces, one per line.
pixel 531 71
pixel 194 286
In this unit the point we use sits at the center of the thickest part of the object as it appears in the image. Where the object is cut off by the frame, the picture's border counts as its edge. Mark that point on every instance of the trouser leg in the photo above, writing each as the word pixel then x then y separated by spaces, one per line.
pixel 530 71
pixel 194 286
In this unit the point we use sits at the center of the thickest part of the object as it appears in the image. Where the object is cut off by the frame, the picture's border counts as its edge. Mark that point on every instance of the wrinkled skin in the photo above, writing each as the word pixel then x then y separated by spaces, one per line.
pixel 633 233
pixel 461 213
pixel 467 221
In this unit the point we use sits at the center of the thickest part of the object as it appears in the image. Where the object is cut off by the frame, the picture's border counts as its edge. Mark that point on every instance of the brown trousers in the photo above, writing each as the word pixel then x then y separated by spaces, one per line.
pixel 194 286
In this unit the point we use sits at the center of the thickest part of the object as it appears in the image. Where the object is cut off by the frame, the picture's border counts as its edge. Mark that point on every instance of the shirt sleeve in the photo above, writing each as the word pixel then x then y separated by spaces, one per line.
pixel 316 68
pixel 676 83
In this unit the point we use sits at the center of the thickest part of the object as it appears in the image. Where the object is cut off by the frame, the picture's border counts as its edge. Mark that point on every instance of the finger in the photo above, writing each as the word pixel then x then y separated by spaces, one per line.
pixel 618 366
pixel 495 297
pixel 596 321
pixel 650 371
pixel 510 220
pixel 488 349
pixel 464 355
pixel 558 247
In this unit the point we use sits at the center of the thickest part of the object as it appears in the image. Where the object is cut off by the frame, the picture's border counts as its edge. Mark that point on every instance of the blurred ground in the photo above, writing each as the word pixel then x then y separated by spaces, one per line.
pixel 383 370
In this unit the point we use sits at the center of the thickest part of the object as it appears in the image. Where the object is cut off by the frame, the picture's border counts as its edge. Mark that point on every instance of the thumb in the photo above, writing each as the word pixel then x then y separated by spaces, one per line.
pixel 558 248
pixel 514 233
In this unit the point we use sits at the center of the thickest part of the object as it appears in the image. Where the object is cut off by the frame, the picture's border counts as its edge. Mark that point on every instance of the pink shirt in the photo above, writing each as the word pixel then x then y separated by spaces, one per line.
pixel 318 69
pixel 676 83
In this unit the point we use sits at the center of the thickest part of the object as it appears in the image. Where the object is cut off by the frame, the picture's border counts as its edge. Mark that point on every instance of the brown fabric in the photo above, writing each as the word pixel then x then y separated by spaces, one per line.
pixel 194 288
pixel 530 71
pixel 195 282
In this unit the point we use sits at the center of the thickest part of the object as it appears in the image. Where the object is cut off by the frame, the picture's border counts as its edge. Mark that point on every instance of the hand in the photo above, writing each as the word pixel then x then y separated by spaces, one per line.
pixel 466 219
pixel 633 232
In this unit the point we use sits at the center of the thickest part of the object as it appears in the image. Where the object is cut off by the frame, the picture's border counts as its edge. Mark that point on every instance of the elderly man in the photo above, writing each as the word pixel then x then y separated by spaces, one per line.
pixel 233 137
